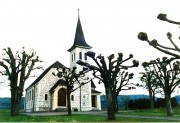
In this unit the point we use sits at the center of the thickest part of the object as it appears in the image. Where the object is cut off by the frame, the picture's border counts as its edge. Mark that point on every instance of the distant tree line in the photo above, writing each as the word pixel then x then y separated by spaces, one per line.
pixel 145 103
pixel 5 103
pixel 141 103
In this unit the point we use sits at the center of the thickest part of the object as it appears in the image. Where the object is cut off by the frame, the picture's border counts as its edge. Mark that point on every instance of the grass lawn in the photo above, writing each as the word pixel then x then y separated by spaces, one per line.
pixel 5 117
pixel 153 112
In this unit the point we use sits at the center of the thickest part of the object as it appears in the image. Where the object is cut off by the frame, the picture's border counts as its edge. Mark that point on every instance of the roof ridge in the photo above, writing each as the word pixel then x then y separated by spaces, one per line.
pixel 54 65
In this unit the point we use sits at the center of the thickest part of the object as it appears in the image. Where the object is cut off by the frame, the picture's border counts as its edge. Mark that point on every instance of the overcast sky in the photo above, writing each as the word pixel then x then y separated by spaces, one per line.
pixel 110 26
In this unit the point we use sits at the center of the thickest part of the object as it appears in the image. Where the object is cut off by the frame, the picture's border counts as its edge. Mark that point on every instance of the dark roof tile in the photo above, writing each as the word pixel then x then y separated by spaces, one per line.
pixel 59 82
pixel 94 91
pixel 79 40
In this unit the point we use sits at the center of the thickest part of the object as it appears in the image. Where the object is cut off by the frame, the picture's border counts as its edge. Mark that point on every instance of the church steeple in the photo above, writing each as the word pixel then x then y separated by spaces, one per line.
pixel 79 40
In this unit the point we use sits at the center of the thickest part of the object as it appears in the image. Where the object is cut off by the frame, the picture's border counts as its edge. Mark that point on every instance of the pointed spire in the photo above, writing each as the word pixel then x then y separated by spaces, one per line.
pixel 79 40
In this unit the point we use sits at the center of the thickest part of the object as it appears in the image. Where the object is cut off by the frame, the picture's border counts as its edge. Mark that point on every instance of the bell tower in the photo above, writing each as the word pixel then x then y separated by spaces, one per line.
pixel 79 48
pixel 77 52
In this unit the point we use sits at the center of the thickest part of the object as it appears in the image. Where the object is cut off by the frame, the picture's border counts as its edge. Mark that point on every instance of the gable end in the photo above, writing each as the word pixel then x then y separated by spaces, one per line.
pixel 57 64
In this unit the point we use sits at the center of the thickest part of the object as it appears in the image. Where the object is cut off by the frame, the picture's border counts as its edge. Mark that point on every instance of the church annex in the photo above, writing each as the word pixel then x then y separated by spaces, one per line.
pixel 48 92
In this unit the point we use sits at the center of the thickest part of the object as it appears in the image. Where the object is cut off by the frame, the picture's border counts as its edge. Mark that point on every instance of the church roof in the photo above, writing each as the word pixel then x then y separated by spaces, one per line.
pixel 63 82
pixel 93 85
pixel 59 82
pixel 95 92
pixel 79 40
pixel 57 64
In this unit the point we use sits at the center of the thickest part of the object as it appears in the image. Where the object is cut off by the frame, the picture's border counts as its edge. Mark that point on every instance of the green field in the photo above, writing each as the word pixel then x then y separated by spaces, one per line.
pixel 5 117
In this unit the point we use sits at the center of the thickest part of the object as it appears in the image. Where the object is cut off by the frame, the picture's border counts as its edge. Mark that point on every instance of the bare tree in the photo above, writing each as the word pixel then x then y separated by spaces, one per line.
pixel 122 83
pixel 174 50
pixel 18 67
pixel 151 84
pixel 108 73
pixel 71 79
pixel 167 73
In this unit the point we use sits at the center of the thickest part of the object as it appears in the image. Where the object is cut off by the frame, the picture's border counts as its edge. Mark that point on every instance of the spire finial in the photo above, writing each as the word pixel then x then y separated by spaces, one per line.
pixel 78 12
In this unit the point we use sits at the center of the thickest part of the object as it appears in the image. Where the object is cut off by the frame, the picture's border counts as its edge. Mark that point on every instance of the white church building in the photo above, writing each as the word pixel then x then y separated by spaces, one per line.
pixel 48 92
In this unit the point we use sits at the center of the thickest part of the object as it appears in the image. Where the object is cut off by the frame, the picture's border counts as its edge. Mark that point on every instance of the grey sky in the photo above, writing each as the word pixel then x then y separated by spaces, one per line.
pixel 110 26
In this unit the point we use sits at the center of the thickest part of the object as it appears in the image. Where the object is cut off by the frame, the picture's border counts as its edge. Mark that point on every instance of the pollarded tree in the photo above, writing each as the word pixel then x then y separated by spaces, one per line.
pixel 150 83
pixel 173 51
pixel 73 81
pixel 18 67
pixel 122 82
pixel 167 73
pixel 108 73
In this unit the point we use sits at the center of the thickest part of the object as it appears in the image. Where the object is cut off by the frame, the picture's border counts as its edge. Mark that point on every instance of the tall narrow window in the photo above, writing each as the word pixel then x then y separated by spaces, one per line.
pixel 80 55
pixel 46 96
pixel 74 56
pixel 85 56
pixel 30 96
pixel 27 96
pixel 72 97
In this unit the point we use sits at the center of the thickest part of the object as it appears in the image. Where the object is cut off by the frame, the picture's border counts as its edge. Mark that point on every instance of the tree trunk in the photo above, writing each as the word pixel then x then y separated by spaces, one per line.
pixel 116 108
pixel 69 103
pixel 168 105
pixel 151 99
pixel 15 102
pixel 110 104
pixel 115 103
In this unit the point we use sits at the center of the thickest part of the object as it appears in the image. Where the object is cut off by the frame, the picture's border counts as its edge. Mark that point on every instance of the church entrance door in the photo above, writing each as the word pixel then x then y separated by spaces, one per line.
pixel 62 97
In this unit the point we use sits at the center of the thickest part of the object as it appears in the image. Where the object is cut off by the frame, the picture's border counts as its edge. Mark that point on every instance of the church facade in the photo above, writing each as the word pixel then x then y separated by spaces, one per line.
pixel 48 92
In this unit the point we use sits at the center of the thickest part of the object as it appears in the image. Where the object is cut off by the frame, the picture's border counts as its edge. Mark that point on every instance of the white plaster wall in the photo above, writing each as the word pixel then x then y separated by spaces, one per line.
pixel 85 89
pixel 85 98
pixel 41 89
pixel 76 51
pixel 98 102
pixel 29 100
pixel 45 84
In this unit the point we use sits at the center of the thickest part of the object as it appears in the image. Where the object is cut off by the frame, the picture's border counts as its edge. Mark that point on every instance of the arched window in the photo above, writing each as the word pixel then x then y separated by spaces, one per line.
pixel 46 96
pixel 80 55
pixel 72 97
